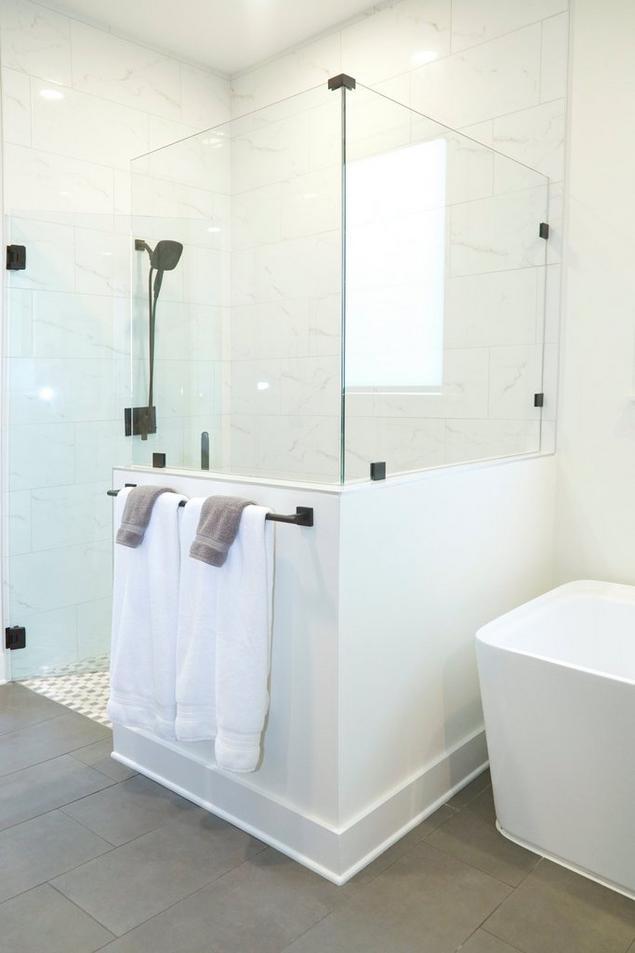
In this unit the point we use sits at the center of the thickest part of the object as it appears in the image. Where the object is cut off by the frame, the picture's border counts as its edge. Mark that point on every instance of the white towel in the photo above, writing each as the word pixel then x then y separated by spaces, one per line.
pixel 144 629
pixel 224 642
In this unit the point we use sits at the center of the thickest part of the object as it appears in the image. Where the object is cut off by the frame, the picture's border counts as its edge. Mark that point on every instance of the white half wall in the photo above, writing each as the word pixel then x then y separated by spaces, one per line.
pixel 375 713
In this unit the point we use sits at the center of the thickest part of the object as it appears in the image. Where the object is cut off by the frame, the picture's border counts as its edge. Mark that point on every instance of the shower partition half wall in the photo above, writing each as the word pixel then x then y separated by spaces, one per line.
pixel 358 284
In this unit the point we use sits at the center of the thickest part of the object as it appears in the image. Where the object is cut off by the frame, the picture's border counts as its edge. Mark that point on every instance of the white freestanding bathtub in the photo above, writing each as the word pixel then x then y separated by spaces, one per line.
pixel 558 685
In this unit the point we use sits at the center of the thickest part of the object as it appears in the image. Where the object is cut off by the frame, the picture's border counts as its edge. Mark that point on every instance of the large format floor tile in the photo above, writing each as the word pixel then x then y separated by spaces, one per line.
pixel 258 908
pixel 129 809
pixel 97 756
pixel 478 843
pixel 427 902
pixel 33 852
pixel 44 787
pixel 20 708
pixel 47 739
pixel 556 911
pixel 166 865
pixel 483 942
pixel 43 921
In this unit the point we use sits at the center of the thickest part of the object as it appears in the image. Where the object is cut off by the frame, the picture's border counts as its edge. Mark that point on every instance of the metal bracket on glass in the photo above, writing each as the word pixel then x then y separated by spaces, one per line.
pixel 543 231
pixel 140 421
pixel 342 80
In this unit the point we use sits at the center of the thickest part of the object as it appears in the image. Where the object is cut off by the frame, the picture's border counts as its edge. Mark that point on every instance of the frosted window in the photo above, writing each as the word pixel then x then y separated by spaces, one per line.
pixel 395 269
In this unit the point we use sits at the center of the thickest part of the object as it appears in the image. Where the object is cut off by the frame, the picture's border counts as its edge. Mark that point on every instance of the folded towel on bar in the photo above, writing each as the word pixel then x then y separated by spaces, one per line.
pixel 224 633
pixel 137 512
pixel 217 528
pixel 145 613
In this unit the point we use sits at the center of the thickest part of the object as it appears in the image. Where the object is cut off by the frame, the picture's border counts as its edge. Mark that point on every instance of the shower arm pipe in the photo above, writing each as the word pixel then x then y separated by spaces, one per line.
pixel 303 515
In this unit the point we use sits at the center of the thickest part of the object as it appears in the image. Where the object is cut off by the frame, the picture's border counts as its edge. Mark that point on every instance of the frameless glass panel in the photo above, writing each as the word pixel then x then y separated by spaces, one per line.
pixel 64 356
pixel 445 273
pixel 247 323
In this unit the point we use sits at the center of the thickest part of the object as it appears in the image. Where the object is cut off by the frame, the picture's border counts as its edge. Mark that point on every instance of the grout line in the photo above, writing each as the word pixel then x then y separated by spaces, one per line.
pixel 81 909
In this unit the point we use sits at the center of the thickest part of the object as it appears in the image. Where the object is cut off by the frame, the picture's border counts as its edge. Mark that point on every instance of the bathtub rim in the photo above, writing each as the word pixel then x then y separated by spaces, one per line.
pixel 491 636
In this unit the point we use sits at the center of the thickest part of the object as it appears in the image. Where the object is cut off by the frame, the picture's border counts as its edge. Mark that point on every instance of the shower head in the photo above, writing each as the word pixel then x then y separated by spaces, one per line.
pixel 166 255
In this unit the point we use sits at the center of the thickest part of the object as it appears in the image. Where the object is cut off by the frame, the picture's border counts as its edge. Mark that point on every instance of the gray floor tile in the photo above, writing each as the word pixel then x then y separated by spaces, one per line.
pixel 477 842
pixel 33 852
pixel 46 740
pixel 468 793
pixel 401 847
pixel 20 707
pixel 44 787
pixel 425 903
pixel 43 921
pixel 129 809
pixel 483 805
pixel 258 908
pixel 166 865
pixel 556 911
pixel 483 942
pixel 97 756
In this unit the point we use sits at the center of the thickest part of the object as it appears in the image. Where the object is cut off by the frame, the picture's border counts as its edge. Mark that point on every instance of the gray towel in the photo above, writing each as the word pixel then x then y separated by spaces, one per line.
pixel 217 528
pixel 137 513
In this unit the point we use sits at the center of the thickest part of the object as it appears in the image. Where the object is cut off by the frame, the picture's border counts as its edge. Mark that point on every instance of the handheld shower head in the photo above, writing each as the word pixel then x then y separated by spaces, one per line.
pixel 166 255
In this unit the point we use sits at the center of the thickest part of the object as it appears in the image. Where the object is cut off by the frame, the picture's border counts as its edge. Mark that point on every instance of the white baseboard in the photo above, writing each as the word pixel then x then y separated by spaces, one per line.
pixel 335 853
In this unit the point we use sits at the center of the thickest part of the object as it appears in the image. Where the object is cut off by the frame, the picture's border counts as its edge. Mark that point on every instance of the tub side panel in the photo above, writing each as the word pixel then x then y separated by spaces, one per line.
pixel 563 761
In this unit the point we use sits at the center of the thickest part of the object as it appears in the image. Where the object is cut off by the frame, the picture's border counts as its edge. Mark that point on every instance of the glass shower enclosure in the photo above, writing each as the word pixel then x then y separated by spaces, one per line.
pixel 358 284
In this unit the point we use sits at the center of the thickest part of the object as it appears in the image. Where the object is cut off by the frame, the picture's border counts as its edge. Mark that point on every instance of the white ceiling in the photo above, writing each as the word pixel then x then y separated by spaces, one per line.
pixel 226 35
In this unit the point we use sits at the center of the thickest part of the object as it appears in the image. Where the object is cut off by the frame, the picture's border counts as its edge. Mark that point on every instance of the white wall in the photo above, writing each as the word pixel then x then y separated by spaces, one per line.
pixel 596 510
pixel 66 197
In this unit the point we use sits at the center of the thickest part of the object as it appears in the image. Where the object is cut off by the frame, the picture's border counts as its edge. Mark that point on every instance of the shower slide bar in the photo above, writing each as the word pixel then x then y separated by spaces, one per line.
pixel 303 514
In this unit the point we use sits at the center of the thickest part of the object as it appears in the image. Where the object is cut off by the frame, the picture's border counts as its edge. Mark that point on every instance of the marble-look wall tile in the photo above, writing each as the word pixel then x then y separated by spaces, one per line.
pixel 493 309
pixel 19 323
pixel 93 627
pixel 16 107
pixel 84 127
pixel 307 66
pixel 54 578
pixel 48 390
pixel 69 515
pixel 205 98
pixel 102 262
pixel 489 80
pixel 467 440
pixel 555 44
pixel 535 137
pixel 57 188
pixel 125 72
pixel 515 376
pixel 17 512
pixel 72 326
pixel 401 37
pixel 35 40
pixel 27 445
pixel 475 22
pixel 498 233
pixel 50 265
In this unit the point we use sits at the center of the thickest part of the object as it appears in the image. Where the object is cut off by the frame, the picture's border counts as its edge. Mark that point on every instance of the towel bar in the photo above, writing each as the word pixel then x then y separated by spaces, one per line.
pixel 303 514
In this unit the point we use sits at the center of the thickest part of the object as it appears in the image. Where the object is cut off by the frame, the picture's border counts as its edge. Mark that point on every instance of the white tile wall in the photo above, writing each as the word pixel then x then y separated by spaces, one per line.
pixel 78 104
pixel 497 70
